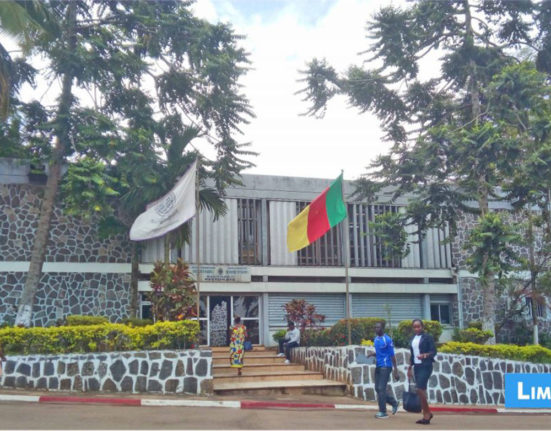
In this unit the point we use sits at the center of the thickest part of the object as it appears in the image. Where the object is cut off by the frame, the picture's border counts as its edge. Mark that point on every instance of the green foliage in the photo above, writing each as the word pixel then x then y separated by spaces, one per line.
pixel 490 244
pixel 537 354
pixel 77 320
pixel 173 295
pixel 471 335
pixel 279 335
pixel 99 338
pixel 87 189
pixel 316 337
pixel 404 332
pixel 361 327
pixel 136 321
pixel 475 324
pixel 457 136
pixel 302 314
pixel 389 229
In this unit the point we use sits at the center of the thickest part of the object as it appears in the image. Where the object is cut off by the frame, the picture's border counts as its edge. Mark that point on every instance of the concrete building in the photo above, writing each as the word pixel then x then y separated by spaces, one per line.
pixel 246 268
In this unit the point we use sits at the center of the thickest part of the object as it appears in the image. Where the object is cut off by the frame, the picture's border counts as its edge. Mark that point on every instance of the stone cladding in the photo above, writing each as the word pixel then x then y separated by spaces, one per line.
pixel 456 379
pixel 187 371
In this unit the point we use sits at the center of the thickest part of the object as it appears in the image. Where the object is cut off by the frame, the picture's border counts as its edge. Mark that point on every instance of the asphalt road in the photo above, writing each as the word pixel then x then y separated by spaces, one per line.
pixel 63 416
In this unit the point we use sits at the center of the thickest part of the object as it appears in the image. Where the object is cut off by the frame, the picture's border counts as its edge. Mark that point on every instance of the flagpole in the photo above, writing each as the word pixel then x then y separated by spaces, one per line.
pixel 346 240
pixel 197 242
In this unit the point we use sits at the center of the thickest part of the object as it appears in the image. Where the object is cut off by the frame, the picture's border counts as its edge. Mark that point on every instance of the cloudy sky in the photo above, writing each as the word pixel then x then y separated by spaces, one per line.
pixel 282 36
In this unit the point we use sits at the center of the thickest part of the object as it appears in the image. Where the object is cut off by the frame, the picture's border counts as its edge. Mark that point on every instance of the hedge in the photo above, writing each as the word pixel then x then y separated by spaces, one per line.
pixel 316 337
pixel 532 353
pixel 279 335
pixel 471 335
pixel 404 332
pixel 78 320
pixel 361 327
pixel 99 338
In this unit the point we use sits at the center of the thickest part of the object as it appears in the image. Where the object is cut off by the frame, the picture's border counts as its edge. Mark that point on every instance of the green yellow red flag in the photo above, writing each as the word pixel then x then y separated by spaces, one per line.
pixel 326 211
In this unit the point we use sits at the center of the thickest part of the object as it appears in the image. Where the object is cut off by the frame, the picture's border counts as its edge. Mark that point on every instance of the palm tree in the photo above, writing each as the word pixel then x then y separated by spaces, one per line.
pixel 166 170
pixel 24 21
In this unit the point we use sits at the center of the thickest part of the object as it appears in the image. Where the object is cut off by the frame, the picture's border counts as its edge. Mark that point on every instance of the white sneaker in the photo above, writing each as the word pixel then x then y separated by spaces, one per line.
pixel 280 355
pixel 287 361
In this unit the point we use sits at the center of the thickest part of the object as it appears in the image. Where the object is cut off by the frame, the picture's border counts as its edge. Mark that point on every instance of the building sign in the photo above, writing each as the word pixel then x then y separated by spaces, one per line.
pixel 223 273
pixel 529 391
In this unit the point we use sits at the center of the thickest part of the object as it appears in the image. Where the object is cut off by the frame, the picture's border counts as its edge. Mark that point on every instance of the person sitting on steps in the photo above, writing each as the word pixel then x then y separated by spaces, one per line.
pixel 290 341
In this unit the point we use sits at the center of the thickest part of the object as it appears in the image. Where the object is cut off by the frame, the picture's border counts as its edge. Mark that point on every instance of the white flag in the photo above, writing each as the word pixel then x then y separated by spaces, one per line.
pixel 169 212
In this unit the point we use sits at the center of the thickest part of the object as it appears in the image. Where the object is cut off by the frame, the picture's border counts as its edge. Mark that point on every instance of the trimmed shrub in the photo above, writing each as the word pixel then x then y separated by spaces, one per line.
pixel 368 343
pixel 471 335
pixel 316 337
pixel 531 353
pixel 475 324
pixel 107 337
pixel 279 335
pixel 78 320
pixel 361 328
pixel 404 332
pixel 136 321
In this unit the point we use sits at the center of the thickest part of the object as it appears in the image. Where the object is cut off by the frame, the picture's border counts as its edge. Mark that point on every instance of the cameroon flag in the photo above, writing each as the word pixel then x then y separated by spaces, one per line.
pixel 326 211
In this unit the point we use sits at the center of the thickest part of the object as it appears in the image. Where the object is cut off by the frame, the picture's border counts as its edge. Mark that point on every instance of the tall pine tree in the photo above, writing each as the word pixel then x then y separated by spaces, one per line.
pixel 446 138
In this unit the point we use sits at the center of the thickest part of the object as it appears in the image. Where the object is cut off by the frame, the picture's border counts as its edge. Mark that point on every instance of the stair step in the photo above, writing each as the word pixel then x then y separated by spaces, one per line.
pixel 256 347
pixel 249 360
pixel 249 354
pixel 258 368
pixel 251 376
pixel 323 387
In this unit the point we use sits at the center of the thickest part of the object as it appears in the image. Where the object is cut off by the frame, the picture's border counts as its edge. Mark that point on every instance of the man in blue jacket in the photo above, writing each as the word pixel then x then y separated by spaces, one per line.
pixel 386 363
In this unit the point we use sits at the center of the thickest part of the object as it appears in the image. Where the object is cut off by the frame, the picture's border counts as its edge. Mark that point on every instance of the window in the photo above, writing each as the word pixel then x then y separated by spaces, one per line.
pixel 440 312
pixel 145 306
pixel 366 249
pixel 249 222
pixel 326 251
pixel 540 307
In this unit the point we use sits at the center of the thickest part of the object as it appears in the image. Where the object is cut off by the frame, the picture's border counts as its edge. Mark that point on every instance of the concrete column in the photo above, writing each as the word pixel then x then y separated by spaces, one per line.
pixel 426 306
pixel 265 337
pixel 264 234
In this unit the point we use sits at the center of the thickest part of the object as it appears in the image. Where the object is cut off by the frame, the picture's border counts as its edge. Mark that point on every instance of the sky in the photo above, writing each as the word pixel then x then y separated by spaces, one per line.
pixel 281 37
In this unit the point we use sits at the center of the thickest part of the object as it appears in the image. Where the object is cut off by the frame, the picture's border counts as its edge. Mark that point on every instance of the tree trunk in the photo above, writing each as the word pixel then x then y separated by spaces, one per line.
pixel 133 310
pixel 533 277
pixel 488 281
pixel 38 253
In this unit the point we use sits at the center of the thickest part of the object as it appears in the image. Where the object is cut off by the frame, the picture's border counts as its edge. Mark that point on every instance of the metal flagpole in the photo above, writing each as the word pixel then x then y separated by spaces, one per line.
pixel 197 242
pixel 346 241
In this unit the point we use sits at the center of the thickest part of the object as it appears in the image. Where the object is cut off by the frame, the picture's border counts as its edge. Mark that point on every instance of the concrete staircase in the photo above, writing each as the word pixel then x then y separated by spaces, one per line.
pixel 264 373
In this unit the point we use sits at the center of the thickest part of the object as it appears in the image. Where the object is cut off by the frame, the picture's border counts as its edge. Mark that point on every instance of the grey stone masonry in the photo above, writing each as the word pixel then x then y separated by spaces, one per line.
pixel 61 294
pixel 71 238
pixel 187 371
pixel 456 379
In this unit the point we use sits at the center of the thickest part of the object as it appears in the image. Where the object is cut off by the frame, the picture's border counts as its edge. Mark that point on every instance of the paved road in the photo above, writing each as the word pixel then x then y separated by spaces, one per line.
pixel 64 416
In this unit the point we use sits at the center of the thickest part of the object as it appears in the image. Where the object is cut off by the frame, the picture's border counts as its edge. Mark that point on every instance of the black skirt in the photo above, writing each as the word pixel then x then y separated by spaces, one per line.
pixel 422 373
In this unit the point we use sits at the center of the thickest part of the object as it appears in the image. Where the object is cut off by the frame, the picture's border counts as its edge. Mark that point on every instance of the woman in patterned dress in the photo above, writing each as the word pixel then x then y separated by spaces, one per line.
pixel 238 334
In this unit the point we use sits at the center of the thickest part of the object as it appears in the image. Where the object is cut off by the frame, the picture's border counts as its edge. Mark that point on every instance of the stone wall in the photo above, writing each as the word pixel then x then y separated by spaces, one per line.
pixel 188 371
pixel 61 294
pixel 456 379
pixel 71 239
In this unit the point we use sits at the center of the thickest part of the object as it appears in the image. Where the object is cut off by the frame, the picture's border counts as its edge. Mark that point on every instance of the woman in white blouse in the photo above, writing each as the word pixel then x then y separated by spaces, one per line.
pixel 423 351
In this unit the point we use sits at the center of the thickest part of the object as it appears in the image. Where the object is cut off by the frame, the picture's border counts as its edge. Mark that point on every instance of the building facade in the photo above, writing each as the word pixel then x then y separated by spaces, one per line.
pixel 246 269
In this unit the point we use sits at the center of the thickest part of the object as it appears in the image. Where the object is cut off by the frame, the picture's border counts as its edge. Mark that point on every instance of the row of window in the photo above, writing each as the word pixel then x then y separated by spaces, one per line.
pixel 366 249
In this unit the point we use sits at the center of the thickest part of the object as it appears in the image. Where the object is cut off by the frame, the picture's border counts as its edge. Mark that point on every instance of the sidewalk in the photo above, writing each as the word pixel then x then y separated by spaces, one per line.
pixel 262 402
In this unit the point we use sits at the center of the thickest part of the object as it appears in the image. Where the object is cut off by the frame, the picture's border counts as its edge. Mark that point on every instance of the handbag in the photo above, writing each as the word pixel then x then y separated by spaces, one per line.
pixel 411 401
pixel 247 346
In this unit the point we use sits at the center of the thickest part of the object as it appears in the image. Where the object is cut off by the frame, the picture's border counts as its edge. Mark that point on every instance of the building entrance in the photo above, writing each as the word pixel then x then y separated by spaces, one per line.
pixel 218 312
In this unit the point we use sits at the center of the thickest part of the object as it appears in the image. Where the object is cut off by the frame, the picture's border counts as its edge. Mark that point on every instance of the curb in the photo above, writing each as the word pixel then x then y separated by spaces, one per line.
pixel 148 402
